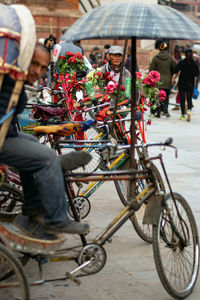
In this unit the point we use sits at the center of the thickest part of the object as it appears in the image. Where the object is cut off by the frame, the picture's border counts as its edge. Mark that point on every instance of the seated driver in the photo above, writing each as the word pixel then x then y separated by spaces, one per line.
pixel 39 166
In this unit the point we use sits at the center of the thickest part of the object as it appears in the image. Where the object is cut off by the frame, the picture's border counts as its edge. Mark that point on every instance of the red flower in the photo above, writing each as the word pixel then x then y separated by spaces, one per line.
pixel 122 87
pixel 147 81
pixel 110 88
pixel 154 75
pixel 69 54
pixel 162 95
pixel 149 122
pixel 61 57
pixel 138 75
pixel 79 55
pixel 72 60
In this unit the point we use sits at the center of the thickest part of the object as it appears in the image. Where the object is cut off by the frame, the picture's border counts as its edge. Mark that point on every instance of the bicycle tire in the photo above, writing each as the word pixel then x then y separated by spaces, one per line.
pixel 143 230
pixel 95 162
pixel 173 258
pixel 8 259
pixel 11 198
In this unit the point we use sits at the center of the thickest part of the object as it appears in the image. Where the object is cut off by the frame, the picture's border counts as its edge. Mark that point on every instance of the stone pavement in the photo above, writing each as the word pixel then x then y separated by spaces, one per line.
pixel 130 270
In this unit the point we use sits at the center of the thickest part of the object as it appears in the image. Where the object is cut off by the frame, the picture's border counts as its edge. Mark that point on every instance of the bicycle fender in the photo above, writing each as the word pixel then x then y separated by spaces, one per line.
pixel 153 209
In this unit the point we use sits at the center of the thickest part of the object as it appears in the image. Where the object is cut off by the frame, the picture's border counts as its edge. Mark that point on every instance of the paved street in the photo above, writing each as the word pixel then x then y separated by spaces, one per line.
pixel 130 270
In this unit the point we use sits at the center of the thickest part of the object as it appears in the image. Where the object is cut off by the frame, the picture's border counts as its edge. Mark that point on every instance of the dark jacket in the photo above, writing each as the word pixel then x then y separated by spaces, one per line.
pixel 127 64
pixel 164 63
pixel 188 72
pixel 5 93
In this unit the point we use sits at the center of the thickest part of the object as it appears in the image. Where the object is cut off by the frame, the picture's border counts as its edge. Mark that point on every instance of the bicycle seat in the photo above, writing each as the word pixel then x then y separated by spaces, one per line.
pixel 65 129
pixel 21 240
pixel 74 159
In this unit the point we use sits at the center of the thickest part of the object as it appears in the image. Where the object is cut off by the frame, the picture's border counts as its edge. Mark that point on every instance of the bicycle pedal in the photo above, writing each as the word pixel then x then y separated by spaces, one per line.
pixel 73 278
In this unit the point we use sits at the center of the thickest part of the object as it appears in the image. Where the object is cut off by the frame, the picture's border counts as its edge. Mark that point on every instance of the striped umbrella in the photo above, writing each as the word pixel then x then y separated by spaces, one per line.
pixel 123 20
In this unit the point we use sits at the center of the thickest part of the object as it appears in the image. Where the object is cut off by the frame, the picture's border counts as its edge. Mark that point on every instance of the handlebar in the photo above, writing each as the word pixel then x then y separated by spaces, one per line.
pixel 168 143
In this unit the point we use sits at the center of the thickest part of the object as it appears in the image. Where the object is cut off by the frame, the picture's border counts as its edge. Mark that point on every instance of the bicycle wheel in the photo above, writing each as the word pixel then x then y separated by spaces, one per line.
pixel 177 261
pixel 11 198
pixel 143 230
pixel 8 263
pixel 93 165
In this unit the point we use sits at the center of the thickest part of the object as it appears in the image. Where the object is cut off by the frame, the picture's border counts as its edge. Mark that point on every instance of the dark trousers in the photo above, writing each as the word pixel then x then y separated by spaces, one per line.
pixel 186 92
pixel 163 105
pixel 41 176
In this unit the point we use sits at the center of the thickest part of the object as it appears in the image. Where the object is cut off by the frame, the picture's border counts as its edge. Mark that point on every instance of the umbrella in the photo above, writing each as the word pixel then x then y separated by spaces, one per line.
pixel 133 20
pixel 127 20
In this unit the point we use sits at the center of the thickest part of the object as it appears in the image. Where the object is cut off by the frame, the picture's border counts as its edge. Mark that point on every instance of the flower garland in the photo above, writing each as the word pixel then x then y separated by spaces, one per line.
pixel 71 62
pixel 106 84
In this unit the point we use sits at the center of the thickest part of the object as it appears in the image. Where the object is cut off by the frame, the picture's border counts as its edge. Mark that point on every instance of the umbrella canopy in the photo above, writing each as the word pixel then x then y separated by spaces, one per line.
pixel 126 20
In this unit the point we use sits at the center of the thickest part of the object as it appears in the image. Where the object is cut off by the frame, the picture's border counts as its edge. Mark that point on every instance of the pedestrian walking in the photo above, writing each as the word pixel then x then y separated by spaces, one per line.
pixel 164 63
pixel 188 71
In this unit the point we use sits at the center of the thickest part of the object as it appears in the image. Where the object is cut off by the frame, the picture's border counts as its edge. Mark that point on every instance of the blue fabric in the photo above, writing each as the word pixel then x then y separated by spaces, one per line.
pixel 87 124
pixel 4 118
pixel 195 93
pixel 8 19
pixel 125 20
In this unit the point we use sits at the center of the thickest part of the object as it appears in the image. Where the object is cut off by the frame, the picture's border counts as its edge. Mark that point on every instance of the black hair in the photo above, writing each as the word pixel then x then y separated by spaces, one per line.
pixel 189 55
pixel 158 43
pixel 95 48
pixel 50 38
pixel 107 46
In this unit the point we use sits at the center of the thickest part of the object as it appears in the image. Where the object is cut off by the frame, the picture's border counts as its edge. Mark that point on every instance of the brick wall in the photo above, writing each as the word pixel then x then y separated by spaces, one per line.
pixel 60 13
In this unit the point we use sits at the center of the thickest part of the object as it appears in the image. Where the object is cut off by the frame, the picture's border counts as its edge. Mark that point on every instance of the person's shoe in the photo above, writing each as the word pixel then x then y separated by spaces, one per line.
pixel 167 115
pixel 31 227
pixel 176 107
pixel 157 116
pixel 188 115
pixel 72 227
pixel 182 117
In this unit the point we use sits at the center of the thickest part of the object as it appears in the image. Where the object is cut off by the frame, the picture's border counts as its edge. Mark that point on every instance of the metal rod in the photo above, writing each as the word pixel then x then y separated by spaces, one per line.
pixel 119 83
pixel 84 8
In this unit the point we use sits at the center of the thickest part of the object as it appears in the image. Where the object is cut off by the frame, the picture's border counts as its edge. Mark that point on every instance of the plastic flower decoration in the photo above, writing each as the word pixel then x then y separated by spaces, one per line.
pixel 149 88
pixel 71 62
pixel 111 90
pixel 99 78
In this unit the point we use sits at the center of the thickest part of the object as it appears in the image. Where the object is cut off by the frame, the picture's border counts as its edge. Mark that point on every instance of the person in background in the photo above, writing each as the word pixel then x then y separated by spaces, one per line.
pixel 177 54
pixel 49 42
pixel 78 44
pixel 105 54
pixel 127 64
pixel 155 51
pixel 188 70
pixel 95 57
pixel 164 63
pixel 114 63
pixel 196 57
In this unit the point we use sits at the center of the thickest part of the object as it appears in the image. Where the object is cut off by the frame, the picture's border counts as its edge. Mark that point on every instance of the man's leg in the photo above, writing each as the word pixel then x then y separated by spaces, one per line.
pixel 28 156
pixel 182 100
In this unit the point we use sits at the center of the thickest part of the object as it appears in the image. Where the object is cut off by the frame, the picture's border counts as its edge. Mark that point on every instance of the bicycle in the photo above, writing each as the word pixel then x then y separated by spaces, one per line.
pixel 171 232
